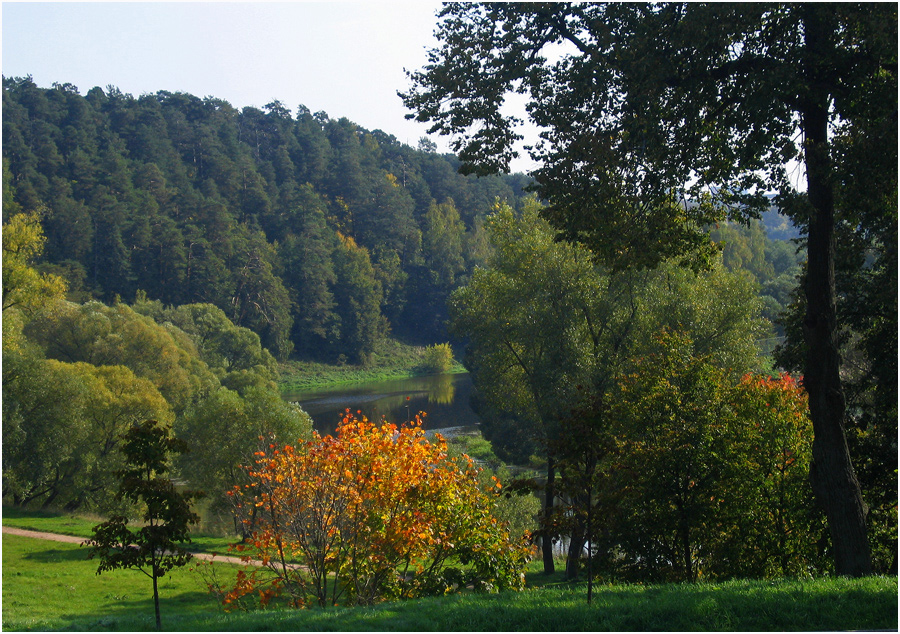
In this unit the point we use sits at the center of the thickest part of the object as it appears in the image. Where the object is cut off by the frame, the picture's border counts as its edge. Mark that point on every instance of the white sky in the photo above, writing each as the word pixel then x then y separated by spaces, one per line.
pixel 346 58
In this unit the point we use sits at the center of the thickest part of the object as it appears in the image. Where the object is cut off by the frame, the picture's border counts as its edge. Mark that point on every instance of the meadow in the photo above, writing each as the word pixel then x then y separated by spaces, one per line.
pixel 52 586
pixel 392 359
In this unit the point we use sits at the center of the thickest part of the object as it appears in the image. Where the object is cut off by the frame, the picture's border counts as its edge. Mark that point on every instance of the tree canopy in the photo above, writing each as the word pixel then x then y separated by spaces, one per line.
pixel 546 326
pixel 660 119
pixel 194 201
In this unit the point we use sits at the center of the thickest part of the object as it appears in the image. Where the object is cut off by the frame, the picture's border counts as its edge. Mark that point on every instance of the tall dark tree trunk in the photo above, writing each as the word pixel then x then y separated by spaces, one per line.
pixel 549 497
pixel 833 478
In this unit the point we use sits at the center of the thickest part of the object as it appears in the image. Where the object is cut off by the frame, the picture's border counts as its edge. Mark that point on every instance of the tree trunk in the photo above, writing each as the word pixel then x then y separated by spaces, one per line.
pixel 576 548
pixel 590 539
pixel 549 496
pixel 156 598
pixel 833 479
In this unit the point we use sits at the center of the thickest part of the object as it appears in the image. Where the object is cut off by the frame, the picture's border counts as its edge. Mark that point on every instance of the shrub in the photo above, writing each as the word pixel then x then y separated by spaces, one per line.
pixel 375 512
pixel 438 358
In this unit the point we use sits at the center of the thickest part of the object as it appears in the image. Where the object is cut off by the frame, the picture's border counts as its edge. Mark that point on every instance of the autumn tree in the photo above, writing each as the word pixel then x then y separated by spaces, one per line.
pixel 374 512
pixel 780 529
pixel 155 548
pixel 643 105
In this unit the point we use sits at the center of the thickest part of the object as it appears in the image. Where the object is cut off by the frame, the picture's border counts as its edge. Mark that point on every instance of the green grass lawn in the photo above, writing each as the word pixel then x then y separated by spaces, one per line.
pixel 52 586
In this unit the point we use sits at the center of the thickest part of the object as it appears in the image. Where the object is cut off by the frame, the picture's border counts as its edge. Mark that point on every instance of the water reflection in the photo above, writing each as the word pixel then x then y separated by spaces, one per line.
pixel 443 390
pixel 445 399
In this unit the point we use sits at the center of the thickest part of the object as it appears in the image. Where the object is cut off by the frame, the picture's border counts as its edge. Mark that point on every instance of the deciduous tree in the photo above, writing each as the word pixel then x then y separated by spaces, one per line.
pixel 543 319
pixel 641 104
pixel 155 548
pixel 23 286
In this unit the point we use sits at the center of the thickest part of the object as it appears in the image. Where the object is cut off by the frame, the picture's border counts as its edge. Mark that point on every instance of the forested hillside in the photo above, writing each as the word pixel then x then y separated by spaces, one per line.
pixel 312 232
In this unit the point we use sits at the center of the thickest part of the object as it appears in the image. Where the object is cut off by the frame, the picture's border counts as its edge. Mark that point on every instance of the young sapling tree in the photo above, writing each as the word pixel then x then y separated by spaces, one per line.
pixel 154 548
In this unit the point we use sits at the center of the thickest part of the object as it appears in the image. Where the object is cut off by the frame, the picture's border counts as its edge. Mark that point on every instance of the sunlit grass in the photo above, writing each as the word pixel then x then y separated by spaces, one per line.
pixel 393 359
pixel 52 585
pixel 49 585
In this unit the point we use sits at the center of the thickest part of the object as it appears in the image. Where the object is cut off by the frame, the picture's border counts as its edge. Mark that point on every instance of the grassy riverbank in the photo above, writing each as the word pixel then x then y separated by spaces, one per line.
pixel 392 360
pixel 52 586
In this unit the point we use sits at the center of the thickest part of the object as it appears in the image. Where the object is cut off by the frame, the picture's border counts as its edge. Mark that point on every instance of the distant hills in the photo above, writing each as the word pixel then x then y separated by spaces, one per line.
pixel 317 234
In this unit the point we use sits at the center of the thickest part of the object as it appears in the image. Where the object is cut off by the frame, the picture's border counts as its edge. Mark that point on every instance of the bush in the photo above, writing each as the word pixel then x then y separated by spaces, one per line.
pixel 438 358
pixel 376 512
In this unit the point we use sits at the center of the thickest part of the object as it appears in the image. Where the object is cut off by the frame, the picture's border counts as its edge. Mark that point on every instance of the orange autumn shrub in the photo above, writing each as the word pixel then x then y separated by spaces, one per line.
pixel 375 512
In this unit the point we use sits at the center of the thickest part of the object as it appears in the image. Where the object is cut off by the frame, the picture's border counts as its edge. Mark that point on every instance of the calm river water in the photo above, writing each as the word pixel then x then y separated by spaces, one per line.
pixel 444 398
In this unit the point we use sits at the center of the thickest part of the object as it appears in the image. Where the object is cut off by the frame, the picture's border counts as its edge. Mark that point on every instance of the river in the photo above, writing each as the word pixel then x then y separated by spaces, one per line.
pixel 444 398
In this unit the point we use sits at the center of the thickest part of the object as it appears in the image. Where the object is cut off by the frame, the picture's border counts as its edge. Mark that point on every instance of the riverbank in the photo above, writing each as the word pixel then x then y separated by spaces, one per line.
pixel 392 360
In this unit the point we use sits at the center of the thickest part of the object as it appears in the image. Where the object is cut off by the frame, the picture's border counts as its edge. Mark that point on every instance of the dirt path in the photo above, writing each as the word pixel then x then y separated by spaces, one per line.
pixel 56 537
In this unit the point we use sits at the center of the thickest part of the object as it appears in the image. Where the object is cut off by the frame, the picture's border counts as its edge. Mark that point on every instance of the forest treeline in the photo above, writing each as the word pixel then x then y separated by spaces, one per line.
pixel 312 232
pixel 316 234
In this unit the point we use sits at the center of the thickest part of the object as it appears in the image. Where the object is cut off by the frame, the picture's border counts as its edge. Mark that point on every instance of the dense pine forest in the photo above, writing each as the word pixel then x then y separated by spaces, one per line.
pixel 314 233
pixel 318 235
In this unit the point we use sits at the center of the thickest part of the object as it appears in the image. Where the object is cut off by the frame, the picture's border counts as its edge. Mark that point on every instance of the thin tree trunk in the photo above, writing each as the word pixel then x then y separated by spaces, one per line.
pixel 156 598
pixel 833 479
pixel 590 535
pixel 576 548
pixel 549 495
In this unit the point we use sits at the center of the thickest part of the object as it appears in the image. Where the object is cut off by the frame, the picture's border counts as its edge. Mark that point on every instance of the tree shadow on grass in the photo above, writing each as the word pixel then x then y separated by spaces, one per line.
pixel 57 555
pixel 135 613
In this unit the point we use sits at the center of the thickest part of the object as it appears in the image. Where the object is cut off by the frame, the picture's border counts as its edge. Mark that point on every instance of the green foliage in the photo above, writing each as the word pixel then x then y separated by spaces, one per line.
pixel 359 302
pixel 62 429
pixel 543 319
pixel 76 377
pixel 519 510
pixel 23 286
pixel 527 347
pixel 235 425
pixel 228 350
pixel 167 512
pixel 117 335
pixel 659 120
pixel 438 358
pixel 706 476
pixel 194 201
pixel 773 264
pixel 547 325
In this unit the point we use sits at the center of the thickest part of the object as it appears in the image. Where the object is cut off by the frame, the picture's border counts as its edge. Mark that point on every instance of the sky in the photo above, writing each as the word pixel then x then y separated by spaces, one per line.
pixel 344 58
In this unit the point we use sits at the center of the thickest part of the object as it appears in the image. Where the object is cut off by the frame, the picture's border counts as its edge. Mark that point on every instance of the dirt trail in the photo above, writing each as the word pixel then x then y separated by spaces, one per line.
pixel 9 530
